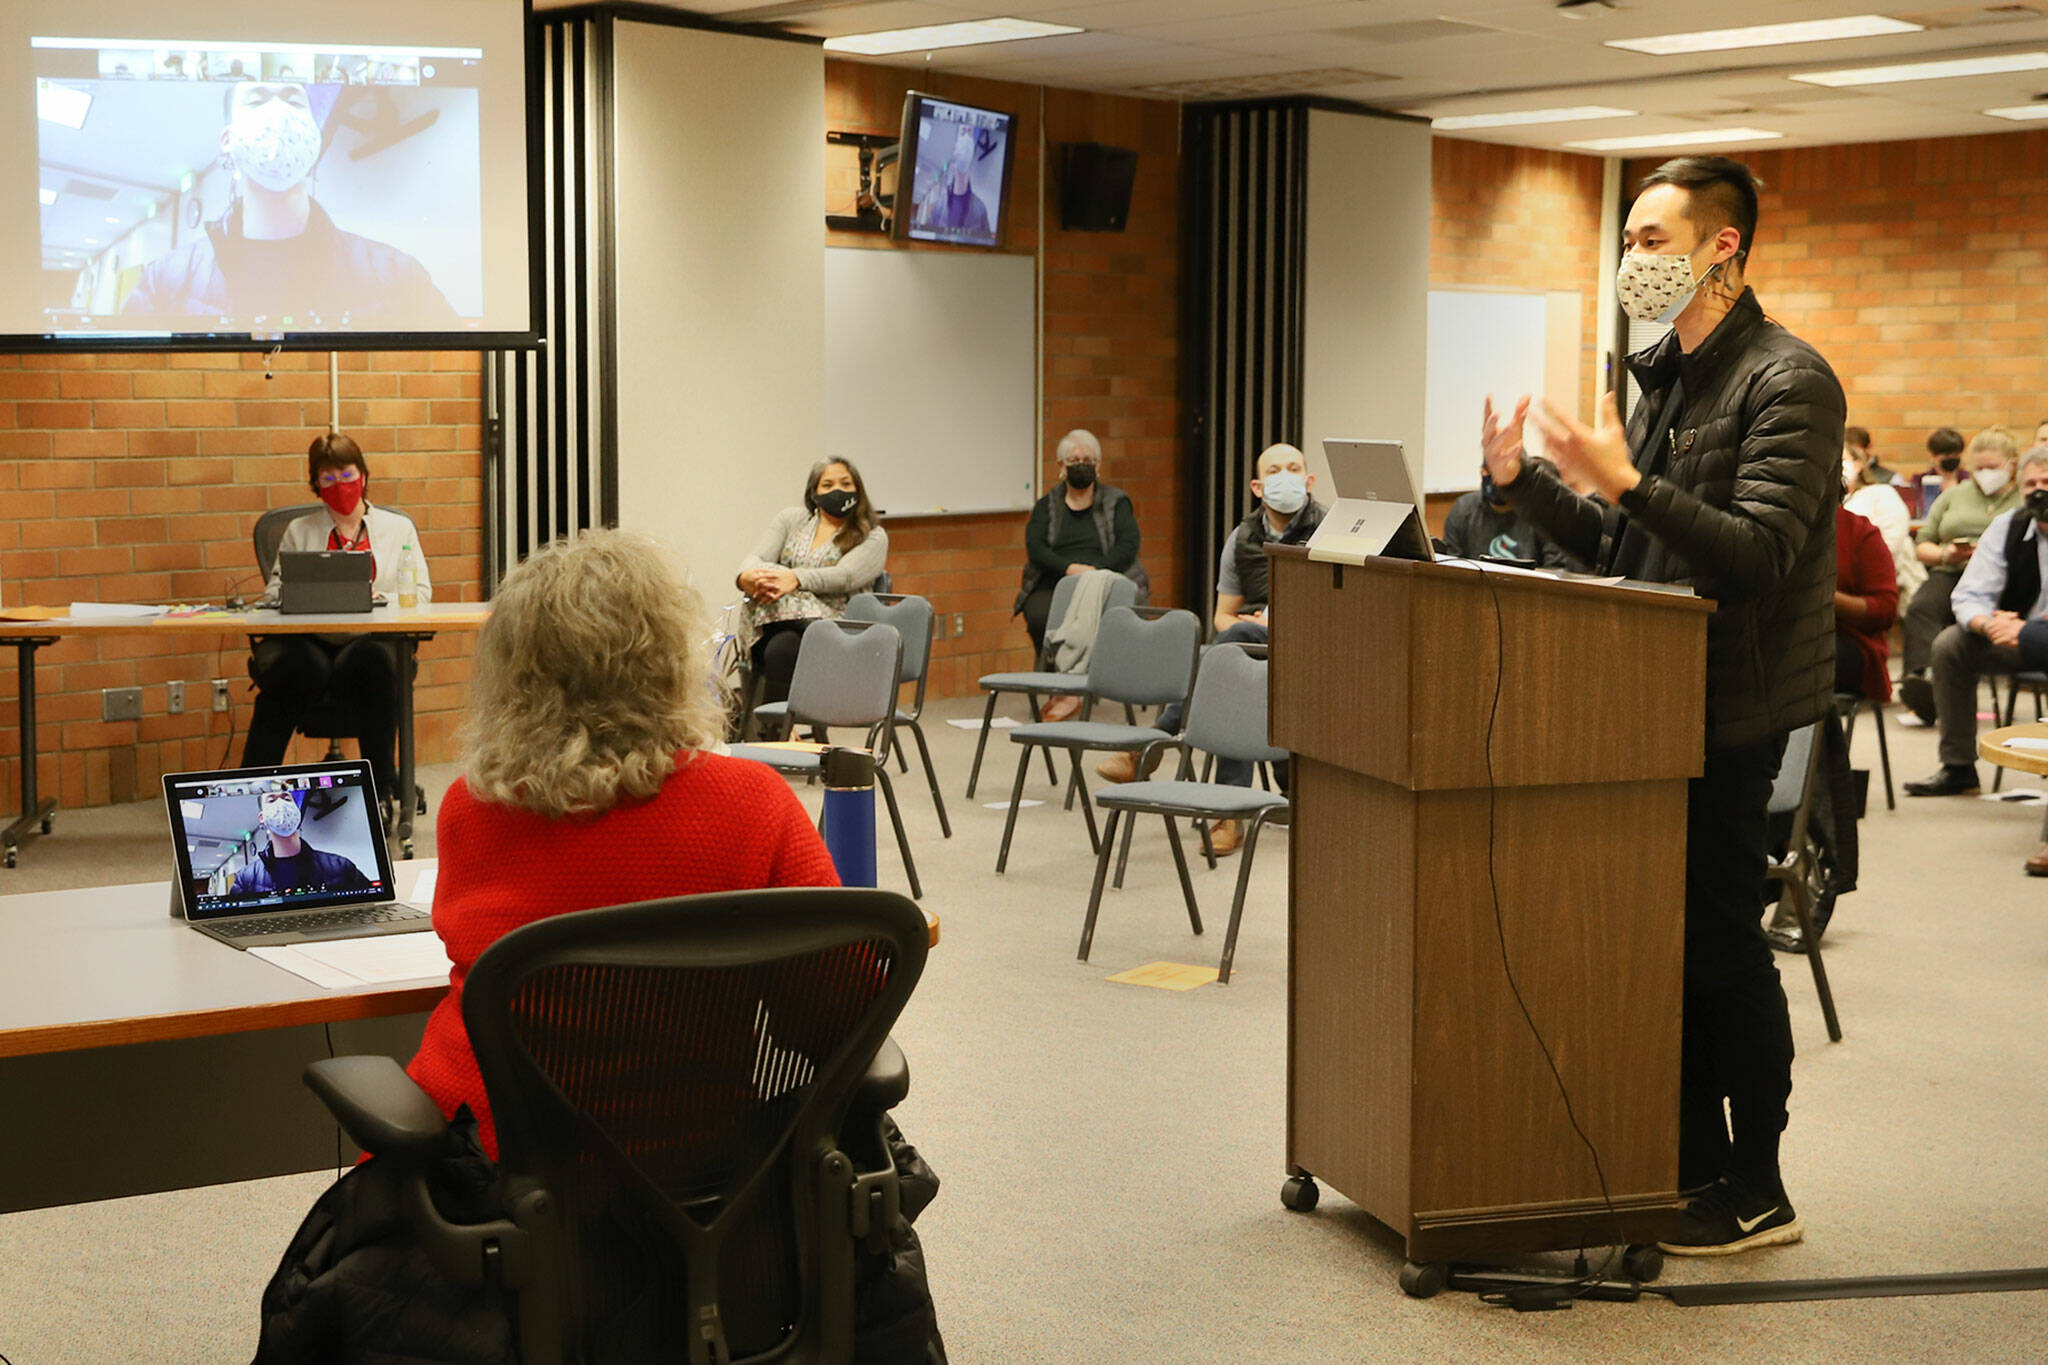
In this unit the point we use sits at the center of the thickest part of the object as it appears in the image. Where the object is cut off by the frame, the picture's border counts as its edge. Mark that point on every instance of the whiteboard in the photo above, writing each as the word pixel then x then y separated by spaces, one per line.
pixel 1497 343
pixel 931 377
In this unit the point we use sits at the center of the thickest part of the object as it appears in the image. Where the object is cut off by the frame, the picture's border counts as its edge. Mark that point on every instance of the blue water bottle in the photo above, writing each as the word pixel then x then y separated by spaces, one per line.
pixel 850 814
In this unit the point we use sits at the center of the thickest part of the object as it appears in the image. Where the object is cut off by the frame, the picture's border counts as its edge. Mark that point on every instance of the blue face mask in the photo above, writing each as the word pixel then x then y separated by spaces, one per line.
pixel 1285 491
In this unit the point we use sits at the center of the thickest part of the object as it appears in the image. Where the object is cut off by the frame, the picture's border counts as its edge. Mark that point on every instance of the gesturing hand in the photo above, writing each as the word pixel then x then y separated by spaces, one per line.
pixel 1595 458
pixel 1500 441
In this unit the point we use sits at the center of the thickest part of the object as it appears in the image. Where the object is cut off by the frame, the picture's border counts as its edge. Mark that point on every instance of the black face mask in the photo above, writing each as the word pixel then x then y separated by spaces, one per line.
pixel 1080 476
pixel 2037 504
pixel 1950 463
pixel 838 502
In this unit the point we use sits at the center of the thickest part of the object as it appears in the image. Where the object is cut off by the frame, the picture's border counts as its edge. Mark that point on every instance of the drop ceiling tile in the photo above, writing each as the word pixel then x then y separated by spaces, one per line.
pixel 841 22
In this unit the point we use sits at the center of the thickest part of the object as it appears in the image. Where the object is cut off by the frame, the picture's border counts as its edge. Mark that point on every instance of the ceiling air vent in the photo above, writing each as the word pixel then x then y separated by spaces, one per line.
pixel 1251 87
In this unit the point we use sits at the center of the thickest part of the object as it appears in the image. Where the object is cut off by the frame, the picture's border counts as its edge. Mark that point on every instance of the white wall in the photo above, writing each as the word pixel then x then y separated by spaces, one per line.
pixel 1366 314
pixel 719 209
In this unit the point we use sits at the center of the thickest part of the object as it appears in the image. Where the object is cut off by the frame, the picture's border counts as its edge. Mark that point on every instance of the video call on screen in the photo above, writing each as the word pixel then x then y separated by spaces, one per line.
pixel 957 184
pixel 226 837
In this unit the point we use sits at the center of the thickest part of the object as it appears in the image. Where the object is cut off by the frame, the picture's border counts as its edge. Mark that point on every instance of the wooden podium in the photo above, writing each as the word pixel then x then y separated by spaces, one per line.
pixel 1414 1086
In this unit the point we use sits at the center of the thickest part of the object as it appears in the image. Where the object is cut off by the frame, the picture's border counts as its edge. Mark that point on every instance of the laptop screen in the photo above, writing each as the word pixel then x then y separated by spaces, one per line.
pixel 255 840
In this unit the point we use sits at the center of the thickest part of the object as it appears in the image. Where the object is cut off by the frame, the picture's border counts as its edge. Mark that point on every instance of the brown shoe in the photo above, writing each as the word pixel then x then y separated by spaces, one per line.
pixel 1225 836
pixel 1060 708
pixel 2037 866
pixel 1124 767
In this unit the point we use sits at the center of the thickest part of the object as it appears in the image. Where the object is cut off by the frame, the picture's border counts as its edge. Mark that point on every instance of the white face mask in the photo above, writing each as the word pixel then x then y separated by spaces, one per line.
pixel 1284 491
pixel 280 817
pixel 1656 288
pixel 1992 481
pixel 274 143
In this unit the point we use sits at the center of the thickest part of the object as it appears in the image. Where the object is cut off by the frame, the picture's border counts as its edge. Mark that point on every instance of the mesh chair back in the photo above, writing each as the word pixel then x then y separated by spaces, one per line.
pixel 269 533
pixel 1144 660
pixel 846 673
pixel 1793 771
pixel 1227 715
pixel 671 1074
pixel 913 618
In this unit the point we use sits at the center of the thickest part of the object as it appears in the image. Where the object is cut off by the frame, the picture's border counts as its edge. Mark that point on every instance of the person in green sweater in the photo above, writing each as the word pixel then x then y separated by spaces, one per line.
pixel 1944 543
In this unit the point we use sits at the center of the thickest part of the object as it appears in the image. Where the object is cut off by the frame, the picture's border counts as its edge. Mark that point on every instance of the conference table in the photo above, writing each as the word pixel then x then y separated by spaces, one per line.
pixel 1992 748
pixel 137 1055
pixel 405 627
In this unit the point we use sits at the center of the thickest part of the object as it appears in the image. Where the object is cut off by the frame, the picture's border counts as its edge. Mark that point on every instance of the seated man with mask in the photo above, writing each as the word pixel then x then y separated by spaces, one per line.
pixel 287 862
pixel 1285 515
pixel 1482 525
pixel 2001 626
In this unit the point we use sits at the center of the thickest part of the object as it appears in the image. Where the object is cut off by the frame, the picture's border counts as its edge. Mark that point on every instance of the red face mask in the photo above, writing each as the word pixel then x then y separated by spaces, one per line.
pixel 343 497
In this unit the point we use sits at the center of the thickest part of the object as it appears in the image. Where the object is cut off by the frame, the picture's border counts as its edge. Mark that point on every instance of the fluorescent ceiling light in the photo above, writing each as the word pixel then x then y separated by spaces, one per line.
pixel 2021 113
pixel 1766 35
pixel 1704 137
pixel 48 196
pixel 1929 71
pixel 1521 117
pixel 65 104
pixel 934 36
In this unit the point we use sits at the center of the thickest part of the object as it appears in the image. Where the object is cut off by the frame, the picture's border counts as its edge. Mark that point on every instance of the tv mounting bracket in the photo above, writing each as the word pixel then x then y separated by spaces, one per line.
pixel 871 209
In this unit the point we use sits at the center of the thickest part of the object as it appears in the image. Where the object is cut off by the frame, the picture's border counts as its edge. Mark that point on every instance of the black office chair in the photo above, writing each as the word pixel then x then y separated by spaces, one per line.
pixel 669 1081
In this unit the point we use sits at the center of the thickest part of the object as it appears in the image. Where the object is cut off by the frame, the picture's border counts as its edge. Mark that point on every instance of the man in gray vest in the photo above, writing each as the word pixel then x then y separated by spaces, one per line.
pixel 1286 514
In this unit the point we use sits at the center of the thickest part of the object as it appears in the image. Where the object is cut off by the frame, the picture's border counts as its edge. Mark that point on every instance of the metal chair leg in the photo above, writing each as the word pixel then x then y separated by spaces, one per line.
pixel 1796 889
pixel 1884 754
pixel 1087 806
pixel 1016 795
pixel 1123 858
pixel 902 840
pixel 931 777
pixel 2012 706
pixel 1038 718
pixel 988 714
pixel 1180 865
pixel 1095 892
pixel 1244 881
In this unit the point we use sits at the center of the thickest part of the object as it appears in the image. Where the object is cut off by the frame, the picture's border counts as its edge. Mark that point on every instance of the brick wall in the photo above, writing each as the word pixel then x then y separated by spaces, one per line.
pixel 140 478
pixel 1920 270
pixel 1109 323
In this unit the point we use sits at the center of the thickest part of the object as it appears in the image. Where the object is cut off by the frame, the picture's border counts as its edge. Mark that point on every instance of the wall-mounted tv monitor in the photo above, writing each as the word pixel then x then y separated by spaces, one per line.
pixel 953 175
pixel 297 172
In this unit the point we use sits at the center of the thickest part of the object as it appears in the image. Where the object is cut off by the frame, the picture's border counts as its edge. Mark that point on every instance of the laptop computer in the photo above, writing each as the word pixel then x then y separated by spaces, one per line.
pixel 1375 510
pixel 324 581
pixel 291 854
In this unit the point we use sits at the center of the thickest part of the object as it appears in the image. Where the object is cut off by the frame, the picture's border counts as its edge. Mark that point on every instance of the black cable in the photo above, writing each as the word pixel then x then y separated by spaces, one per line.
pixel 340 1152
pixel 1572 1288
pixel 220 663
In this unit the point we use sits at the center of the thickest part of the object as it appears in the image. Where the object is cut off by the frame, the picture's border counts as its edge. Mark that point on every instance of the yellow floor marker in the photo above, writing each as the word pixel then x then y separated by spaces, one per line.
pixel 1167 976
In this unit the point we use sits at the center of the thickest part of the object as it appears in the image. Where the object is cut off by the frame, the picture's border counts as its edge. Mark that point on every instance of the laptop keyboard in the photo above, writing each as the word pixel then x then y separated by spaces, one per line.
pixel 390 913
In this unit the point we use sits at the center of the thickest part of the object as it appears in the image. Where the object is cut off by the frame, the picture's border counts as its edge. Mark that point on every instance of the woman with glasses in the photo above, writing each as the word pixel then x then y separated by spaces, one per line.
pixel 295 672
pixel 1081 524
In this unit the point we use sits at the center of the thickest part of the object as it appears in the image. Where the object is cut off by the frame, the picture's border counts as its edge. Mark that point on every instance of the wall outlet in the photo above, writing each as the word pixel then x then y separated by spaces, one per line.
pixel 120 703
pixel 174 702
pixel 220 694
pixel 959 624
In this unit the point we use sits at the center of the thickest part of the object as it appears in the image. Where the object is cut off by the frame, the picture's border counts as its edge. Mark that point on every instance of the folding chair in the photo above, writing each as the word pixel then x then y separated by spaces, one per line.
pixel 1847 705
pixel 846 674
pixel 1226 718
pixel 1798 873
pixel 1144 656
pixel 1046 681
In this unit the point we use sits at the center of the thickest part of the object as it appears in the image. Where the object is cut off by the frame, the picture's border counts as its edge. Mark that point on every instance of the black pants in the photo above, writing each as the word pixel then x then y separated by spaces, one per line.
pixel 1927 615
pixel 1737 1048
pixel 1848 665
pixel 774 654
pixel 295 673
pixel 1037 606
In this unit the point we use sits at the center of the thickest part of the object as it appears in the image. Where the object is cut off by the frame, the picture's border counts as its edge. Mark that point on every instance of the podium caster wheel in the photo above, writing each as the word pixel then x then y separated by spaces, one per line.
pixel 1423 1279
pixel 1299 1192
pixel 1642 1263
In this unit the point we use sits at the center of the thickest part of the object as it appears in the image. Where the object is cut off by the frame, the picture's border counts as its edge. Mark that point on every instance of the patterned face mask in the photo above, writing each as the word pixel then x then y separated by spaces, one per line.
pixel 274 143
pixel 1656 288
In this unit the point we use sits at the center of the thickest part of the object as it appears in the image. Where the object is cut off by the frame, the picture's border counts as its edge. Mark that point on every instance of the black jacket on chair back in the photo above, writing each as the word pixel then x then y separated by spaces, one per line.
pixel 1740 442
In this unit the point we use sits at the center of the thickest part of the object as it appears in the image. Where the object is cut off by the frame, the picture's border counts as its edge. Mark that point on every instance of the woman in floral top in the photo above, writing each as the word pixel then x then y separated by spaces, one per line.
pixel 807 563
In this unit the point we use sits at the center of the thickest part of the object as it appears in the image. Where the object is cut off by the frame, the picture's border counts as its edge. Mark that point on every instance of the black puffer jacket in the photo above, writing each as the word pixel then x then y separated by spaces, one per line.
pixel 1739 506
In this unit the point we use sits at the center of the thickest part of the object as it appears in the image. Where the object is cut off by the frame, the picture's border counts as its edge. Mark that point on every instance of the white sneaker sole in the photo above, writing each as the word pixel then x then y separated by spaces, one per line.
pixel 1783 1235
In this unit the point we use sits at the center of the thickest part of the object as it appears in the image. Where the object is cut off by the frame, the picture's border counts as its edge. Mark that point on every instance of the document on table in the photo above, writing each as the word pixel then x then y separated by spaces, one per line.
pixel 348 962
pixel 95 611
pixel 2027 744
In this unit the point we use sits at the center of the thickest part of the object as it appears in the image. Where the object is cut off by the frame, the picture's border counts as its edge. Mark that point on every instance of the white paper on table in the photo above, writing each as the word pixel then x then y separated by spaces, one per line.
pixel 292 960
pixel 89 611
pixel 375 961
pixel 2028 744
pixel 974 723
pixel 423 887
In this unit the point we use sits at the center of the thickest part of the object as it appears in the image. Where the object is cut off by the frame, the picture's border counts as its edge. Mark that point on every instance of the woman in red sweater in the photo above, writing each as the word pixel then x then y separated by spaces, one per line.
pixel 1866 604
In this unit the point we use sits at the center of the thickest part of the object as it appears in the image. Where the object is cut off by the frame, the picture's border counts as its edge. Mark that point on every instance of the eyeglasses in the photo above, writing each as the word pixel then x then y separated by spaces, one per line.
pixel 330 477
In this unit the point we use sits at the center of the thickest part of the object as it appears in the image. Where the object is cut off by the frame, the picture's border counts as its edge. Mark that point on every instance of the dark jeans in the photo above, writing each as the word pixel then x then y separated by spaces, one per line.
pixel 295 673
pixel 1848 665
pixel 1236 772
pixel 1927 615
pixel 1037 605
pixel 1737 1044
pixel 774 654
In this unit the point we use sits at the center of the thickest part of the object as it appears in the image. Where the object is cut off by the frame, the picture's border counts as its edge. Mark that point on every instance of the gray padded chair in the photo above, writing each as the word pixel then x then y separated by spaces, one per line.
pixel 1798 873
pixel 915 619
pixel 1144 656
pixel 1045 681
pixel 846 674
pixel 1226 719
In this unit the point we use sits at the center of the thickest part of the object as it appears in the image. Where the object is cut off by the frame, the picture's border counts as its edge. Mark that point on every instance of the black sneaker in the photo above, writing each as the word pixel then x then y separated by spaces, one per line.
pixel 1917 692
pixel 1948 781
pixel 1727 1218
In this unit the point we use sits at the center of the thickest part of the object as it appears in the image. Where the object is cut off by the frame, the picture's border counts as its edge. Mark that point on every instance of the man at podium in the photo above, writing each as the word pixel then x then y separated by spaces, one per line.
pixel 1725 480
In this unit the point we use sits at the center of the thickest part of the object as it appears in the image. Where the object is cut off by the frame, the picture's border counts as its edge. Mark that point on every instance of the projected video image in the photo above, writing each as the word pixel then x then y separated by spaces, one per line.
pixel 269 841
pixel 957 186
pixel 253 189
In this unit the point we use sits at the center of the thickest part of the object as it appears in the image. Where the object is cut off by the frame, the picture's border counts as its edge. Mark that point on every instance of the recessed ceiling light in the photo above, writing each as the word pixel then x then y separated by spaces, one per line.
pixel 65 104
pixel 48 196
pixel 1521 117
pixel 934 36
pixel 2022 113
pixel 1766 35
pixel 1929 71
pixel 1704 137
